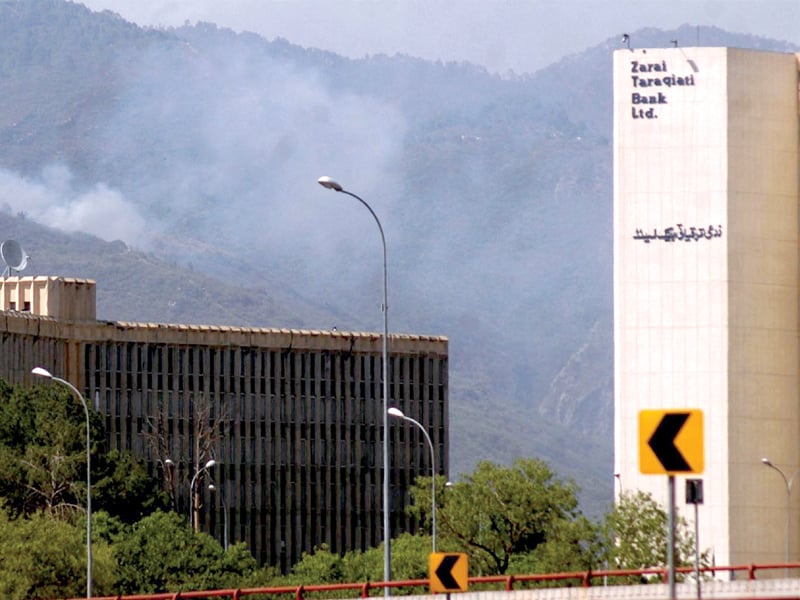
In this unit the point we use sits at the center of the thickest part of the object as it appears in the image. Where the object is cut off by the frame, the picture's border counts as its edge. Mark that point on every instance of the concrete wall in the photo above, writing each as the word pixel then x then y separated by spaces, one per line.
pixel 763 402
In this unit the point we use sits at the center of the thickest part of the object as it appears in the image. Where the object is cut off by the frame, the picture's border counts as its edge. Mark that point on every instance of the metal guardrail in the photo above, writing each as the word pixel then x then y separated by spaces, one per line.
pixel 504 582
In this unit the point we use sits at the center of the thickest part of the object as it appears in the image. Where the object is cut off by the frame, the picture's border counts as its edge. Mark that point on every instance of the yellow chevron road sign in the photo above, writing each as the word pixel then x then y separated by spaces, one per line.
pixel 671 441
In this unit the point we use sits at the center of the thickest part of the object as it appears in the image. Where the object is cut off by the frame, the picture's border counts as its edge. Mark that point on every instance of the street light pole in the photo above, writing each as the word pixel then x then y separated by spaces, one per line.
pixel 788 482
pixel 330 184
pixel 169 475
pixel 213 488
pixel 41 372
pixel 396 412
pixel 192 516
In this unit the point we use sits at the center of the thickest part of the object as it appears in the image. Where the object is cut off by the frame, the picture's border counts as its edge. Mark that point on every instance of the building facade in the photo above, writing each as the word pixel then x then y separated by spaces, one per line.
pixel 292 418
pixel 706 281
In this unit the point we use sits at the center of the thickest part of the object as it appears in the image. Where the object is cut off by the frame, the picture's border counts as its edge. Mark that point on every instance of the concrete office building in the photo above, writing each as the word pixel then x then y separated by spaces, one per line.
pixel 298 412
pixel 706 280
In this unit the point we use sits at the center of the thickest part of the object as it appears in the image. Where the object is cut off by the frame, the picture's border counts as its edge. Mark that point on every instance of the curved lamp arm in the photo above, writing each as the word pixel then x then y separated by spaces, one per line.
pixel 396 412
pixel 331 184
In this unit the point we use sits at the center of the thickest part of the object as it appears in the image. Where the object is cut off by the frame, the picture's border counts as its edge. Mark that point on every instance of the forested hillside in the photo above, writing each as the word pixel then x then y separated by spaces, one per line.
pixel 160 162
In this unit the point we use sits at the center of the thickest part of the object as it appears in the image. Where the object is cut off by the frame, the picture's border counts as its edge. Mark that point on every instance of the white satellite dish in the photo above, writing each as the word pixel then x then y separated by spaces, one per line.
pixel 13 256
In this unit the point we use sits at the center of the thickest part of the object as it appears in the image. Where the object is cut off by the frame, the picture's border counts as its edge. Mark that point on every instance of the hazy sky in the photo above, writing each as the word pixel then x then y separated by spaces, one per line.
pixel 518 35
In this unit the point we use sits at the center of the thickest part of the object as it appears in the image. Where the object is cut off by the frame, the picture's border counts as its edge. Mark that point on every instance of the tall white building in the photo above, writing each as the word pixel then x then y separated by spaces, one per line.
pixel 706 280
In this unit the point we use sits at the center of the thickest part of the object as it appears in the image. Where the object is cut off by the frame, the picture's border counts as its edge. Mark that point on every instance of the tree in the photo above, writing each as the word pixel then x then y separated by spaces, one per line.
pixel 574 546
pixel 409 560
pixel 44 557
pixel 420 507
pixel 123 487
pixel 498 512
pixel 43 459
pixel 43 450
pixel 205 434
pixel 316 567
pixel 635 535
pixel 162 553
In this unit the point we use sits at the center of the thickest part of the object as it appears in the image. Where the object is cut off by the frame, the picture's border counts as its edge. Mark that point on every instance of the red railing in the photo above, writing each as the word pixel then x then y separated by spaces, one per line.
pixel 506 582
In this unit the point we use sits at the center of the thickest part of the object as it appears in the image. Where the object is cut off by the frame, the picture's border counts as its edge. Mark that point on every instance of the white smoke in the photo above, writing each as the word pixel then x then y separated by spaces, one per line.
pixel 52 200
pixel 229 143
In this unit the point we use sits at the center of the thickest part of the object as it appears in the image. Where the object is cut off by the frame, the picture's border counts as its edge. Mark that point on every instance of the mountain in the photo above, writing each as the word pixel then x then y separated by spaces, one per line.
pixel 178 169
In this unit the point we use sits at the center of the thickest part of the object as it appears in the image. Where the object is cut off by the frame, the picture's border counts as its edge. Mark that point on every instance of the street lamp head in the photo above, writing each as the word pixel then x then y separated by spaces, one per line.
pixel 329 183
pixel 396 412
pixel 212 487
pixel 210 463
pixel 42 372
pixel 169 462
pixel 767 462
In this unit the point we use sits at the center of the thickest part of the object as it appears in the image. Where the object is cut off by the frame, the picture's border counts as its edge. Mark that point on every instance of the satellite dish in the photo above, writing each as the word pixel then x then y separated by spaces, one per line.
pixel 13 256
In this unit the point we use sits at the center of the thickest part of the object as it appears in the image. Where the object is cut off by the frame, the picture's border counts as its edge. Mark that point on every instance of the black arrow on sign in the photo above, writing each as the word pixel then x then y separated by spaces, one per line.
pixel 662 442
pixel 443 572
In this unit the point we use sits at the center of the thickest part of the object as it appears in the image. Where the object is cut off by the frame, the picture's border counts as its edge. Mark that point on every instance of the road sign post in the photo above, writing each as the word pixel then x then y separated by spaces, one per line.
pixel 671 536
pixel 694 495
pixel 671 443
